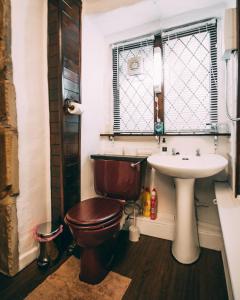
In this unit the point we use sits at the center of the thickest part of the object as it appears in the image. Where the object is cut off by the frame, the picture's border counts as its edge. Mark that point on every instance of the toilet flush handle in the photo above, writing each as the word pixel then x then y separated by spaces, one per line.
pixel 133 165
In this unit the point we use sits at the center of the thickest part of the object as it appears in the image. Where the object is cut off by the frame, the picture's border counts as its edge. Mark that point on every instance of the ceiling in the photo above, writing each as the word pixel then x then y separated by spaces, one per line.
pixel 100 6
pixel 113 16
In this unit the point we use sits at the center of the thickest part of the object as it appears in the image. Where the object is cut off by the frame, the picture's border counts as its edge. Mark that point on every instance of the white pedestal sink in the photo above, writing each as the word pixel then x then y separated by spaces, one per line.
pixel 185 169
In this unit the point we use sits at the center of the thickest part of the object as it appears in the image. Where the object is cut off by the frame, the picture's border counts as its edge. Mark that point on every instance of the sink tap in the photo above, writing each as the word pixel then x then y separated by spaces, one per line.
pixel 198 152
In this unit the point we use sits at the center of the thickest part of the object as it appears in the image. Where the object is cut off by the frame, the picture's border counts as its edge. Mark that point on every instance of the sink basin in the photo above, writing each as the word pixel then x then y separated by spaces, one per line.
pixel 188 166
pixel 185 169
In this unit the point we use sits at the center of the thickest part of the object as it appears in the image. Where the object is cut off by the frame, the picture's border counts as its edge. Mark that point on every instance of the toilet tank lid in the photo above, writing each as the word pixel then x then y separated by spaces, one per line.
pixel 94 211
pixel 118 157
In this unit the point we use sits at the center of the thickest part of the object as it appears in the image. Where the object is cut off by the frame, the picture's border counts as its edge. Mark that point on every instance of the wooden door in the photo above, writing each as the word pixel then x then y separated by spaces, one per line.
pixel 64 61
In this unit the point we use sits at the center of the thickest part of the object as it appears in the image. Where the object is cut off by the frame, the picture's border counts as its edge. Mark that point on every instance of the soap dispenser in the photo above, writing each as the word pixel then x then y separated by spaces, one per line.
pixel 164 147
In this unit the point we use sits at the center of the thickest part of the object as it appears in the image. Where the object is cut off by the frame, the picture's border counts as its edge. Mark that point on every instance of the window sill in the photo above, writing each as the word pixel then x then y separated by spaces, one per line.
pixel 112 135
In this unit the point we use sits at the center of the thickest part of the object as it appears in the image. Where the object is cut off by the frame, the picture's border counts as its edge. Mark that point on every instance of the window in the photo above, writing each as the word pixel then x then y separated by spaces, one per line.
pixel 133 87
pixel 190 78
pixel 190 81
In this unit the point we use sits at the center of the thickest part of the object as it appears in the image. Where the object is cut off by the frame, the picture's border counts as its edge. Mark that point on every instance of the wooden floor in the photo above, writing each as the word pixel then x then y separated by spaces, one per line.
pixel 154 273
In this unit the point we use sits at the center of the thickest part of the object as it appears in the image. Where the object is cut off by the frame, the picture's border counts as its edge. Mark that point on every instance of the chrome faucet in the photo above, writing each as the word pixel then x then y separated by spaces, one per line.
pixel 198 152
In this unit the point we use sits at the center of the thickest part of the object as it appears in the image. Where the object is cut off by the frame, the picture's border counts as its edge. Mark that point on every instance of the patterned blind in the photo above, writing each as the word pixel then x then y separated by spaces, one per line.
pixel 133 89
pixel 190 77
pixel 190 81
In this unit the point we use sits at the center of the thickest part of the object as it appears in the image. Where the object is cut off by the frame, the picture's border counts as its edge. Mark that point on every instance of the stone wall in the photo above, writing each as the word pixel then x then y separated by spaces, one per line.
pixel 8 150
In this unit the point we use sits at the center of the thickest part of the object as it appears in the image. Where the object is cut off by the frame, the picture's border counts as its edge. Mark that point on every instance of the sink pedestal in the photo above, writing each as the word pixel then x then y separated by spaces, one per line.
pixel 185 247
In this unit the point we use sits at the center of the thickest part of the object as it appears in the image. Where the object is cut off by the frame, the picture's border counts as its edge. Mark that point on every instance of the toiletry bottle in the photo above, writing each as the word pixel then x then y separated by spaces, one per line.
pixel 142 199
pixel 153 212
pixel 158 127
pixel 147 203
pixel 164 146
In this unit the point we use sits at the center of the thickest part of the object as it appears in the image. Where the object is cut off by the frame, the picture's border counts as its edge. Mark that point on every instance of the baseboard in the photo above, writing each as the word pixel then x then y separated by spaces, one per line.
pixel 210 236
pixel 27 257
pixel 161 227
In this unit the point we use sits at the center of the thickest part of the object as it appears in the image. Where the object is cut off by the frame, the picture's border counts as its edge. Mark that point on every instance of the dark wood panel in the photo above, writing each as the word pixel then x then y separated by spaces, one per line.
pixel 52 40
pixel 71 10
pixel 70 65
pixel 55 170
pixel 159 100
pixel 53 61
pixel 53 106
pixel 53 94
pixel 52 71
pixel 64 37
pixel 54 84
pixel 73 76
pixel 54 52
pixel 71 118
pixel 71 86
pixel 71 95
pixel 53 26
pixel 69 53
pixel 54 128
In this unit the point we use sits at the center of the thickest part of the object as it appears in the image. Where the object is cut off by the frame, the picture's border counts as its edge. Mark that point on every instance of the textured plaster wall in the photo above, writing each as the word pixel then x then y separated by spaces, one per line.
pixel 29 51
pixel 94 91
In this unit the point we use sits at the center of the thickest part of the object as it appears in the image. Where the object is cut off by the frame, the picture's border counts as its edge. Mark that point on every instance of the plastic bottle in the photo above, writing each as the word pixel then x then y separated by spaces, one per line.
pixel 147 203
pixel 153 211
pixel 164 147
pixel 142 199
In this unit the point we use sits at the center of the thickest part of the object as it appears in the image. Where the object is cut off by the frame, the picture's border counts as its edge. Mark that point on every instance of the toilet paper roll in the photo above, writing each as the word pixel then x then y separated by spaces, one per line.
pixel 75 108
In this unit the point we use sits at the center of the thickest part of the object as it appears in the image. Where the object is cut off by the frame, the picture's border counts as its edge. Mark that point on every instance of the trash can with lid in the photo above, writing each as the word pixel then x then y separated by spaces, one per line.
pixel 45 235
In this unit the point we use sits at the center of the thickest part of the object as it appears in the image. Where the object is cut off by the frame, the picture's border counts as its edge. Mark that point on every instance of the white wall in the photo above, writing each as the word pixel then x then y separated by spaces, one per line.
pixel 95 89
pixel 29 52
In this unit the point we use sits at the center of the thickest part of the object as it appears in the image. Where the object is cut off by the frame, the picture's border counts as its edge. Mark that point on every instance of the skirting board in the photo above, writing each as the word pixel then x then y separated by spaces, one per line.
pixel 27 257
pixel 163 227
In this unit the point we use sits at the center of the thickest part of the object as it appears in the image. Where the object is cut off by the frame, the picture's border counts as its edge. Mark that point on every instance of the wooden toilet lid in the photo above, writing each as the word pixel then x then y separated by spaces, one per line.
pixel 94 211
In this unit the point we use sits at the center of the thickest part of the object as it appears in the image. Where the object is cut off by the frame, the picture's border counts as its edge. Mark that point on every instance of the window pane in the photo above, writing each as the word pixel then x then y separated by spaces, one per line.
pixel 134 110
pixel 187 82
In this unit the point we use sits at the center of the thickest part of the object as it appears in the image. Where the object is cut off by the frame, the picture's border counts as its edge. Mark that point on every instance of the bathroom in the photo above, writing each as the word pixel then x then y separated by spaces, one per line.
pixel 108 26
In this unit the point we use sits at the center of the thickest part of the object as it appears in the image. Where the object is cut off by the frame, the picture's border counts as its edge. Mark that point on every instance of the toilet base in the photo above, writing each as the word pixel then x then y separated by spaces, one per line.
pixel 95 262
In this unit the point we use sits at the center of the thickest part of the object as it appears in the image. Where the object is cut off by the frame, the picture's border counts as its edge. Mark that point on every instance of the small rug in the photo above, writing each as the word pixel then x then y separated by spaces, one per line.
pixel 64 284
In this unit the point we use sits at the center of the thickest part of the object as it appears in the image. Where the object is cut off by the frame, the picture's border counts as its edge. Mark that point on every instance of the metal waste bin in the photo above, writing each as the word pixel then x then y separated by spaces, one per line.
pixel 45 235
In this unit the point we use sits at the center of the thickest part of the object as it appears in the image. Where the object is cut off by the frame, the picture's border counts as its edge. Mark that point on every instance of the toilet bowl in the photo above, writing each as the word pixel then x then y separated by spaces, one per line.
pixel 95 222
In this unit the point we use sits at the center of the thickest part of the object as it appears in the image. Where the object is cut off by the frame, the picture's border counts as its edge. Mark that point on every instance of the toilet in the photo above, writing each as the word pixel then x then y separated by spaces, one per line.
pixel 95 222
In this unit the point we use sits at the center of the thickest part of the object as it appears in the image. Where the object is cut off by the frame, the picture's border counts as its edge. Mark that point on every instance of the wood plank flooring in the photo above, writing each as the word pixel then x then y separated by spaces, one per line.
pixel 156 275
pixel 154 272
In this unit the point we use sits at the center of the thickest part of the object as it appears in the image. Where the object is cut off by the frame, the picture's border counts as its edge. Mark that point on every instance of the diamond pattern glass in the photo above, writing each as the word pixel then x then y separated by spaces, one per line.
pixel 187 82
pixel 136 111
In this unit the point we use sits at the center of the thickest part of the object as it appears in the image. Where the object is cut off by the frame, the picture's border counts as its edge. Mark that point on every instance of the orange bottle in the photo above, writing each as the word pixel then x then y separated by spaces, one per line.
pixel 147 203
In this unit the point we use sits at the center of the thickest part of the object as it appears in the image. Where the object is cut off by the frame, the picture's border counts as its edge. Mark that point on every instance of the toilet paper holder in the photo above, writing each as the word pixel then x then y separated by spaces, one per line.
pixel 68 104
